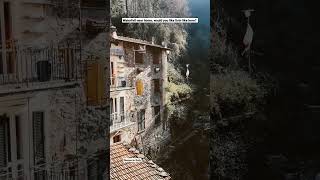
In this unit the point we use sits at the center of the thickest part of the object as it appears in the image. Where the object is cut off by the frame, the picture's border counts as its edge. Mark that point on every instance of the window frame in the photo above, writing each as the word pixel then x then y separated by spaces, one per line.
pixel 141 120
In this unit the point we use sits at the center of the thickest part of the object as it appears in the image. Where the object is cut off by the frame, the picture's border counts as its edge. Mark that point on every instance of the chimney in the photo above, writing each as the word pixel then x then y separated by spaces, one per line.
pixel 164 44
pixel 113 31
pixel 152 40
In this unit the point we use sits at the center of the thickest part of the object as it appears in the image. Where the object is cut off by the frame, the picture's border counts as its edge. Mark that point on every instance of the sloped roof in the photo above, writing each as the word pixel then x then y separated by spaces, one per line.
pixel 119 170
pixel 139 41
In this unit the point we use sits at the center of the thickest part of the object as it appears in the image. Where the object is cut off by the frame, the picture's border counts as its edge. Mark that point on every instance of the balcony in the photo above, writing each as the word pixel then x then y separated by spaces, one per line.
pixel 119 121
pixel 121 83
pixel 31 67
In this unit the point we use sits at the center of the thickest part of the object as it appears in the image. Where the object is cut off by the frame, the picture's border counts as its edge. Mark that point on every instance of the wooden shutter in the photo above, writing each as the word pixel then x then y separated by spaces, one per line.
pixel 3 152
pixel 139 87
pixel 141 120
pixel 38 137
pixel 95 84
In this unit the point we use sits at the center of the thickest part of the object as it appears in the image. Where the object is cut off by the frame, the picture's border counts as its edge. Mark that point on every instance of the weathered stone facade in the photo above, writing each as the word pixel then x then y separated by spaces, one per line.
pixel 147 71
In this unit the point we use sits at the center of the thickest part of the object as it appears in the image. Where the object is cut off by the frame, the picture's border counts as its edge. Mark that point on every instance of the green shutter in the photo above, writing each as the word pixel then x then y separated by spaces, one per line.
pixel 3 153
pixel 38 137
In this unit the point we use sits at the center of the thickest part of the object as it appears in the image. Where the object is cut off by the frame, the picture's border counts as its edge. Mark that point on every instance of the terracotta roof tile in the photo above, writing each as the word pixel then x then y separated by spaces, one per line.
pixel 120 170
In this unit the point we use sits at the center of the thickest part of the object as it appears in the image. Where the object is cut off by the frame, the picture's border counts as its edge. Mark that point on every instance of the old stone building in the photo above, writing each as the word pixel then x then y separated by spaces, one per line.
pixel 138 78
pixel 52 89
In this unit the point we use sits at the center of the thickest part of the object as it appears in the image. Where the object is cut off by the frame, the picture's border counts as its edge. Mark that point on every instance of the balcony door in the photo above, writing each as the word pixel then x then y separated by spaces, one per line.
pixel 11 147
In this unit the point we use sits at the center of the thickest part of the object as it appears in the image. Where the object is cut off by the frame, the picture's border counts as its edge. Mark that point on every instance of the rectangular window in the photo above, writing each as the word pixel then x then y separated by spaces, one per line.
pixel 111 105
pixel 116 138
pixel 115 110
pixel 156 86
pixel 38 137
pixel 10 62
pixel 5 145
pixel 7 20
pixel 141 120
pixel 19 138
pixel 157 115
pixel 115 105
pixel 156 54
pixel 138 56
pixel 122 117
pixel 112 69
pixel 111 112
pixel 112 75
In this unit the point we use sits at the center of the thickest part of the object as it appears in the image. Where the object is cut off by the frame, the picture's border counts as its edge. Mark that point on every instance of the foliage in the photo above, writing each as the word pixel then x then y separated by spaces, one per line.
pixel 117 8
pixel 229 152
pixel 222 55
pixel 236 92
pixel 176 89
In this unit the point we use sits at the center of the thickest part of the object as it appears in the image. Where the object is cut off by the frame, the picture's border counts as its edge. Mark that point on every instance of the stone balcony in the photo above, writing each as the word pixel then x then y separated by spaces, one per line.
pixel 119 121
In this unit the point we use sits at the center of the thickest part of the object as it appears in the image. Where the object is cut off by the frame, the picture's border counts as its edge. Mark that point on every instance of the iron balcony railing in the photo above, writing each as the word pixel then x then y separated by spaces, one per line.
pixel 40 65
pixel 120 120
